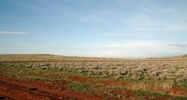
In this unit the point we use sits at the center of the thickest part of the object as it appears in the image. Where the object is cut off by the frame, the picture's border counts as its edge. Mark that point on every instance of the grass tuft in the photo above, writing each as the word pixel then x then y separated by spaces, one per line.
pixel 80 87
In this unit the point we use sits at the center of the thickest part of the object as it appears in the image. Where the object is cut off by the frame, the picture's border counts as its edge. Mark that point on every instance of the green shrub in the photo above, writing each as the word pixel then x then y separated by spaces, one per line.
pixel 180 98
pixel 31 89
pixel 80 87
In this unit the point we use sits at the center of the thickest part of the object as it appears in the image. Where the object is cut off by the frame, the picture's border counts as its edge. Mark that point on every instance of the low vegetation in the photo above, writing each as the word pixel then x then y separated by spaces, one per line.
pixel 103 77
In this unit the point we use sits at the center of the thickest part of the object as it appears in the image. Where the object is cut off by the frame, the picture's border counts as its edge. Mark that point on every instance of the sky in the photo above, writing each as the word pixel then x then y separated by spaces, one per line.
pixel 94 28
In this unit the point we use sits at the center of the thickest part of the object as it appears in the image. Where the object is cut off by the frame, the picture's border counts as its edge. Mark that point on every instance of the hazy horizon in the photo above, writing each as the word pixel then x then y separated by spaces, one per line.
pixel 94 28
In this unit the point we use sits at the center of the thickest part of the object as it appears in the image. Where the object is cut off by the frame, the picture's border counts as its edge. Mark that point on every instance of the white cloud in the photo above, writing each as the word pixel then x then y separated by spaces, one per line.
pixel 179 45
pixel 156 20
pixel 135 49
pixel 132 54
pixel 135 44
pixel 8 32
pixel 117 34
pixel 177 28
pixel 38 44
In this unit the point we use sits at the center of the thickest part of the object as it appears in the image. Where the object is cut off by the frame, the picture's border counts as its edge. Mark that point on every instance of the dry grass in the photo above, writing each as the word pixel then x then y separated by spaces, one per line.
pixel 157 68
pixel 161 87
pixel 50 58
pixel 170 70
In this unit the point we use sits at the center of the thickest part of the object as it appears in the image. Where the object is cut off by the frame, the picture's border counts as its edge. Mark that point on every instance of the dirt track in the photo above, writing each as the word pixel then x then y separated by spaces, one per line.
pixel 29 90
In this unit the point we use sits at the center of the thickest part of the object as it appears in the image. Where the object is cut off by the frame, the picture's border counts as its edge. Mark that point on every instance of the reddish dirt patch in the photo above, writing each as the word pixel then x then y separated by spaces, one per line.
pixel 18 92
pixel 38 90
pixel 176 91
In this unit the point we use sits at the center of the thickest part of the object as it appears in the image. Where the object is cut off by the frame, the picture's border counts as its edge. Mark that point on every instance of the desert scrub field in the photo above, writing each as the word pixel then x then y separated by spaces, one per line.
pixel 134 70
pixel 95 78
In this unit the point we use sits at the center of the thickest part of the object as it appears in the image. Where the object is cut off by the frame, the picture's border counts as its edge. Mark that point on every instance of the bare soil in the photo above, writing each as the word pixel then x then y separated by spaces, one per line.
pixel 38 90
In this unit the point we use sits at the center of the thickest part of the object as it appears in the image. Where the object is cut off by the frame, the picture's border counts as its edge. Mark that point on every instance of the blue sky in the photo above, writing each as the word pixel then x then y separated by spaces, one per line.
pixel 98 28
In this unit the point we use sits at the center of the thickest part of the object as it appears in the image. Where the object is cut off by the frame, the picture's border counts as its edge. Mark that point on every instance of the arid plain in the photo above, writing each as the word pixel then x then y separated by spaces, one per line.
pixel 53 77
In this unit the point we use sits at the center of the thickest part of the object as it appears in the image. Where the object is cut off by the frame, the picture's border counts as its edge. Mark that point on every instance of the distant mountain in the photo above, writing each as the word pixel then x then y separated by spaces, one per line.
pixel 184 56
pixel 171 57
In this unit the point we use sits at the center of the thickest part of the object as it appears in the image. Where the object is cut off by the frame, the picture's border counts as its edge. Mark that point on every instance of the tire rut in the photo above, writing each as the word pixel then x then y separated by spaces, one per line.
pixel 18 90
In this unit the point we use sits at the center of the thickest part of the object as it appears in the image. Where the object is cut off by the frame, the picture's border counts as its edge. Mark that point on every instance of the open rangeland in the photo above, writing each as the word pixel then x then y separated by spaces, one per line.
pixel 52 77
